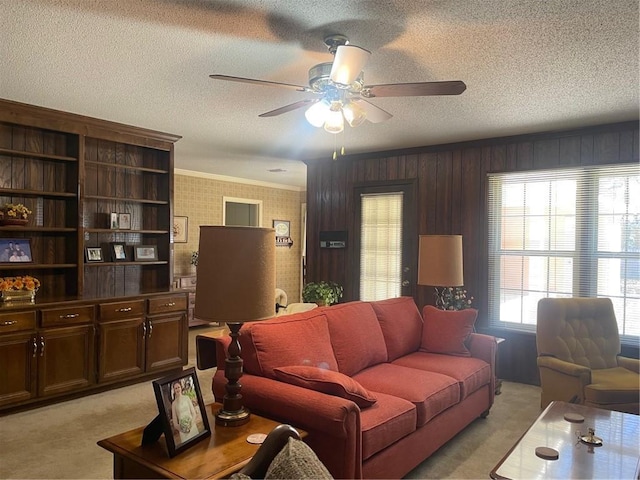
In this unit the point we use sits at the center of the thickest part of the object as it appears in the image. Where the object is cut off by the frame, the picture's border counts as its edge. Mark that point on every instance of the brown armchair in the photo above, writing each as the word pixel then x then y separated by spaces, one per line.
pixel 579 355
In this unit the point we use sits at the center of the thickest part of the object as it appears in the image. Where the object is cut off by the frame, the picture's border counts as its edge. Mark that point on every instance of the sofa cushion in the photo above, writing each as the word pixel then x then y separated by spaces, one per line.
pixel 389 420
pixel 445 331
pixel 401 325
pixel 471 373
pixel 356 336
pixel 430 392
pixel 298 339
pixel 326 381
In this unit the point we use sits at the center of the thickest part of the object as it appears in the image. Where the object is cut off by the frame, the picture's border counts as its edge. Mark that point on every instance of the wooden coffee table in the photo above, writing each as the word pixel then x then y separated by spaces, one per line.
pixel 218 456
pixel 618 457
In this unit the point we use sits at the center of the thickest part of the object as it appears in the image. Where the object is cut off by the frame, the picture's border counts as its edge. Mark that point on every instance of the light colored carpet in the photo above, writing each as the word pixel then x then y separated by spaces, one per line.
pixel 59 441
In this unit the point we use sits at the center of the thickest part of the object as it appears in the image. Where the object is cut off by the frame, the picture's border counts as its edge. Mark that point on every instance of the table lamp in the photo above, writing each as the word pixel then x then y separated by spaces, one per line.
pixel 236 283
pixel 440 263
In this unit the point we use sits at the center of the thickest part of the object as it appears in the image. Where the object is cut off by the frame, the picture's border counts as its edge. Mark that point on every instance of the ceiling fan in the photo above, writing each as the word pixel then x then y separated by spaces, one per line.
pixel 342 92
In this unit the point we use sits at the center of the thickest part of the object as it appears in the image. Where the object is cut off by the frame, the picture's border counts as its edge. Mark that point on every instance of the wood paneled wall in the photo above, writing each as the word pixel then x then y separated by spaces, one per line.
pixel 452 183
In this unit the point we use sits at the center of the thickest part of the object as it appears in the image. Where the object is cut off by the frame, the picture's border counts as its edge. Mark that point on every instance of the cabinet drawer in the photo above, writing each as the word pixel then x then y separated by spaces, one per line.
pixel 67 315
pixel 14 322
pixel 121 310
pixel 167 304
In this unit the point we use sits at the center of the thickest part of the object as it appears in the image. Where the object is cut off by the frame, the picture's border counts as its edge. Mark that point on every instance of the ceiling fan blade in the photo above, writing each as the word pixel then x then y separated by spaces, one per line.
pixel 288 108
pixel 267 83
pixel 455 87
pixel 348 63
pixel 374 114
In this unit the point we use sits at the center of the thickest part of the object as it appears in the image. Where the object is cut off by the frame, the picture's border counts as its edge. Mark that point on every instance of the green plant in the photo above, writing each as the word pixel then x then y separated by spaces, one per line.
pixel 455 298
pixel 322 292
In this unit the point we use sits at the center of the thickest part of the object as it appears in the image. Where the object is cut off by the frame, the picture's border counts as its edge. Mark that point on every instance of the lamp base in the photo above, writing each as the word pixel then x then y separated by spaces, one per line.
pixel 232 419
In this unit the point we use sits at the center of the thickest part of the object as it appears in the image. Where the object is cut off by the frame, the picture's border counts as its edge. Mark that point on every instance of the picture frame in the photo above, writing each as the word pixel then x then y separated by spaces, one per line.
pixel 113 221
pixel 180 229
pixel 181 409
pixel 145 253
pixel 15 250
pixel 118 252
pixel 283 233
pixel 93 254
pixel 124 221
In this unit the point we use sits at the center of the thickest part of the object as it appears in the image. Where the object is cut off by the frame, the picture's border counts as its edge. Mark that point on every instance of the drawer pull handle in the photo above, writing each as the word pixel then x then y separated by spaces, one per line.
pixel 150 329
pixel 70 315
pixel 9 323
pixel 42 346
pixel 128 309
pixel 35 346
pixel 170 304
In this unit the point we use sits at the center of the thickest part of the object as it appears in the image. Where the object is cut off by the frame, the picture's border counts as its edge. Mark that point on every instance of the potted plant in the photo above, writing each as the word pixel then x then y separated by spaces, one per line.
pixel 322 293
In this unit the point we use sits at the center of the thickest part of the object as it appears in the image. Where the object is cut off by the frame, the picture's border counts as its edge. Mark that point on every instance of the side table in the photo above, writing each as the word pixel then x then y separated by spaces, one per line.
pixel 225 452
pixel 498 390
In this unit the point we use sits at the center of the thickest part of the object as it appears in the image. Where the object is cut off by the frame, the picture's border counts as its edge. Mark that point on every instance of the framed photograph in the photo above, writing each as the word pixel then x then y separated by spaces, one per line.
pixel 124 221
pixel 118 252
pixel 15 250
pixel 283 233
pixel 180 225
pixel 93 254
pixel 145 253
pixel 182 410
pixel 113 221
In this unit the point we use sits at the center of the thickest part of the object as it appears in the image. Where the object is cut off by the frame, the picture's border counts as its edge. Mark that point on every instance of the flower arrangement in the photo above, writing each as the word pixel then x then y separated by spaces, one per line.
pixel 26 283
pixel 15 211
pixel 185 424
pixel 194 258
pixel 455 298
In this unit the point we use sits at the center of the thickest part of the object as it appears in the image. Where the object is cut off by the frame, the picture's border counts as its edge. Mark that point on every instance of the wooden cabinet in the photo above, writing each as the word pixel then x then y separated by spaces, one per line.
pixel 93 322
pixel 42 362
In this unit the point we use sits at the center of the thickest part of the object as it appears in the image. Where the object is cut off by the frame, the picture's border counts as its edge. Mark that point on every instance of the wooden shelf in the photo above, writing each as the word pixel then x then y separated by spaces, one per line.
pixel 126 200
pixel 110 230
pixel 35 228
pixel 127 167
pixel 123 264
pixel 36 266
pixel 17 192
pixel 43 156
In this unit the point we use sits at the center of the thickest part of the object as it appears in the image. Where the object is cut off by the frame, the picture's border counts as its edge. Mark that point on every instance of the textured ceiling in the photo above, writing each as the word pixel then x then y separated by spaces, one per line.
pixel 529 66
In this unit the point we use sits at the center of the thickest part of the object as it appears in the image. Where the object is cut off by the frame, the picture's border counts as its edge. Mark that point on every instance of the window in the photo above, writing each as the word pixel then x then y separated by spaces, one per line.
pixel 564 233
pixel 381 246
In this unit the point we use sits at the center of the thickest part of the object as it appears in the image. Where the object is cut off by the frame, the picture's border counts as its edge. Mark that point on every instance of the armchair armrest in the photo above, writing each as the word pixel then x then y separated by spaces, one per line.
pixel 566 368
pixel 632 364
pixel 483 347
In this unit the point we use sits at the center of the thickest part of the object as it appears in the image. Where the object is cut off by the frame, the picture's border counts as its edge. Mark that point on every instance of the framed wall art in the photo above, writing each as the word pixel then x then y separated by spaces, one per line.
pixel 180 229
pixel 15 250
pixel 181 410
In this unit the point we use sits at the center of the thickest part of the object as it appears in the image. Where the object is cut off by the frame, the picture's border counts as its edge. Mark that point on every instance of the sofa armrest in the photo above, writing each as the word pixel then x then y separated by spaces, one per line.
pixel 483 347
pixel 333 423
pixel 632 364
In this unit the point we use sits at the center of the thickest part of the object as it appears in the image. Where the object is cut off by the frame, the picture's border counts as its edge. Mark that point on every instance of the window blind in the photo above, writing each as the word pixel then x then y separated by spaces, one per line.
pixel 381 246
pixel 564 233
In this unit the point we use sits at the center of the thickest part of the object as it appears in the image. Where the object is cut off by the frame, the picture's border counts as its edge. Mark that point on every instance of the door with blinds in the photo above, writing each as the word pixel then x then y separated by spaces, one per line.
pixel 385 255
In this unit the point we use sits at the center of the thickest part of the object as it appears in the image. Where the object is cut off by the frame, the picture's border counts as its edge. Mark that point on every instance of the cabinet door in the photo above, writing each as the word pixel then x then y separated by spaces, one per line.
pixel 121 349
pixel 65 359
pixel 18 360
pixel 166 341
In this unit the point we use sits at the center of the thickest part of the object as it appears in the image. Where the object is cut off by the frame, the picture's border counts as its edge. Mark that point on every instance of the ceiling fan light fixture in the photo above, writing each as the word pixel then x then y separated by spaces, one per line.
pixel 334 122
pixel 348 65
pixel 354 114
pixel 317 113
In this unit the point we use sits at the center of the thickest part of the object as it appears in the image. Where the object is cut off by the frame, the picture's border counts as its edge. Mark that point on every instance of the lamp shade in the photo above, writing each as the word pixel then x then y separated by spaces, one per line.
pixel 236 274
pixel 440 261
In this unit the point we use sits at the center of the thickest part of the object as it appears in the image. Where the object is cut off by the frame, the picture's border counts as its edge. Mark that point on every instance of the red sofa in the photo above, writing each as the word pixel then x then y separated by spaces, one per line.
pixel 363 379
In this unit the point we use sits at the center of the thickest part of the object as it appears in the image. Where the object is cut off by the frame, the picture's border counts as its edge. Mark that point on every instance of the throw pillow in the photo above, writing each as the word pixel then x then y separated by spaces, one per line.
pixel 297 460
pixel 445 331
pixel 326 381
